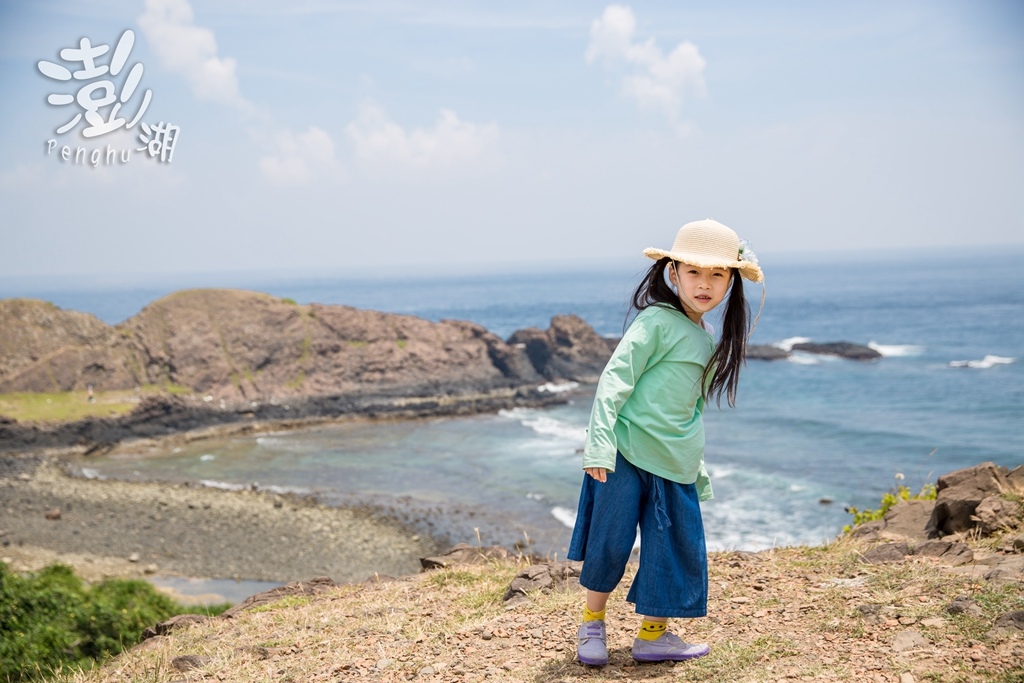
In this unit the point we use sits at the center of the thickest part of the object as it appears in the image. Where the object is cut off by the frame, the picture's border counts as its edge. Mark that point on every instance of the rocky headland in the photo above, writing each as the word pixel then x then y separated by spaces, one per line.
pixel 233 358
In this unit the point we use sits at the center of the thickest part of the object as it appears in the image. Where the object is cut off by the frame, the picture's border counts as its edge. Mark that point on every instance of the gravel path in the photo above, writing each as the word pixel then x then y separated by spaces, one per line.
pixel 123 529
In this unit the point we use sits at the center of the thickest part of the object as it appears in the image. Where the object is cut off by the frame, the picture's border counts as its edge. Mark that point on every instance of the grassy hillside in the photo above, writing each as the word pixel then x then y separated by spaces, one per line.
pixel 792 614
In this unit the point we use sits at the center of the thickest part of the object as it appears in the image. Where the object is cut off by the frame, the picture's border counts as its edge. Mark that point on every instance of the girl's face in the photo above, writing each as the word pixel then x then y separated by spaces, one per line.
pixel 699 289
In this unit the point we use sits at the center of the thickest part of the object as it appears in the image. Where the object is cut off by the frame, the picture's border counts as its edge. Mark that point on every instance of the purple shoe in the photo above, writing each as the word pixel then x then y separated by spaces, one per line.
pixel 591 644
pixel 667 648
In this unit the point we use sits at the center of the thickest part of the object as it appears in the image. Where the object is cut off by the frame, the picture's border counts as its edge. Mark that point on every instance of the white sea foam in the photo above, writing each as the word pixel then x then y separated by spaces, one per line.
pixel 804 359
pixel 552 388
pixel 787 344
pixel 535 496
pixel 896 350
pixel 207 457
pixel 282 490
pixel 984 363
pixel 545 425
pixel 564 515
pixel 549 426
pixel 720 472
pixel 222 485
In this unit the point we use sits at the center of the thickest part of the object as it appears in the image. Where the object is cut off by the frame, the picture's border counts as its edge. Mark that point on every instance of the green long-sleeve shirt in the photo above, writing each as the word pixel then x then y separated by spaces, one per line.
pixel 648 403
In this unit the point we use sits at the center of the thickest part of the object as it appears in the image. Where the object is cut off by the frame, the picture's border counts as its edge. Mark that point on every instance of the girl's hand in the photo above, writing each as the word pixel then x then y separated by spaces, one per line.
pixel 599 473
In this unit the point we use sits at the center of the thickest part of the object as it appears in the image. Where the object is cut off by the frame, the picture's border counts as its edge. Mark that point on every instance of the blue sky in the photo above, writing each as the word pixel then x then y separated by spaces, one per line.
pixel 444 137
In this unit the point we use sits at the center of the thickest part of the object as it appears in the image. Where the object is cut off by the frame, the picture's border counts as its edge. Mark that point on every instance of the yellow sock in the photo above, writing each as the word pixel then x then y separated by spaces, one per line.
pixel 651 630
pixel 592 616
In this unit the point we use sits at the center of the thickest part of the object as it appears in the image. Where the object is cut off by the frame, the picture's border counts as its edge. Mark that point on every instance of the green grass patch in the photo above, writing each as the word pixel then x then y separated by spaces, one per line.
pixel 65 406
pixel 68 406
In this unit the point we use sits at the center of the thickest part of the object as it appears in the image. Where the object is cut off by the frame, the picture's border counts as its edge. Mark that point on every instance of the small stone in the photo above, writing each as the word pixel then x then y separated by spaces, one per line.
pixel 189 662
pixel 383 663
pixel 487 634
pixel 964 605
pixel 1010 623
pixel 426 671
pixel 907 677
pixel 151 569
pixel 1018 543
pixel 933 622
pixel 53 514
pixel 741 600
pixel 909 640
pixel 134 557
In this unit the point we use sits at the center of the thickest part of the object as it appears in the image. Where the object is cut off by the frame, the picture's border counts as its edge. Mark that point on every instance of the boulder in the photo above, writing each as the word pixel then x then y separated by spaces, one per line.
pixel 952 554
pixel 463 553
pixel 907 520
pixel 543 577
pixel 886 553
pixel 995 514
pixel 569 349
pixel 958 495
pixel 320 584
pixel 1015 477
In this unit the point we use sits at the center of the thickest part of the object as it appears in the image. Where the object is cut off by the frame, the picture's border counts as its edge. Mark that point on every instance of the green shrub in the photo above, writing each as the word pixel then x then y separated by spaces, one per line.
pixel 51 620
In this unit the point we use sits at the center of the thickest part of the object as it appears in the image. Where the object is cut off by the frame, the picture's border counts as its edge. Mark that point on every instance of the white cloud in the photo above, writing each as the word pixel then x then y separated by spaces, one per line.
pixel 302 158
pixel 190 51
pixel 655 80
pixel 451 143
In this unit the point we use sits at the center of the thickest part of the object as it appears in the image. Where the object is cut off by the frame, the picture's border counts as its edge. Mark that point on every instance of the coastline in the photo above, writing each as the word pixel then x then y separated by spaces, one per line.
pixel 117 529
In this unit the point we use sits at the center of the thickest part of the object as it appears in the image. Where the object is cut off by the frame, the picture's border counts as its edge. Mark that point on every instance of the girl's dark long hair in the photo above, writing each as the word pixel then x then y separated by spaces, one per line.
pixel 722 373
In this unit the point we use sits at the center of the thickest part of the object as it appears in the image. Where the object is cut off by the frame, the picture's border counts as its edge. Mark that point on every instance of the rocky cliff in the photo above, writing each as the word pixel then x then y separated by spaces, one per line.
pixel 230 356
pixel 236 345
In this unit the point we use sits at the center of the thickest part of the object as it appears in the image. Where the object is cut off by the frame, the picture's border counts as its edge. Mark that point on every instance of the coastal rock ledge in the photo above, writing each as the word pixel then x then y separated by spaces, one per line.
pixel 224 356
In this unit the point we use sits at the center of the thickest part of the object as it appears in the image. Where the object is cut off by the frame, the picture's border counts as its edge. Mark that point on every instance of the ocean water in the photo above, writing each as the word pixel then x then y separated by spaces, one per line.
pixel 808 437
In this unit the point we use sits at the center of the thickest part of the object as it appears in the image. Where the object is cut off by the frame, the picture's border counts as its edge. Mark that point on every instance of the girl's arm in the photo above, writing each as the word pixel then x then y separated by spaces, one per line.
pixel 629 360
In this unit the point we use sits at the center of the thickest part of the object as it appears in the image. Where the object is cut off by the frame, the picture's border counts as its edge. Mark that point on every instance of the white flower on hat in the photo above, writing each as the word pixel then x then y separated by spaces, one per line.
pixel 746 253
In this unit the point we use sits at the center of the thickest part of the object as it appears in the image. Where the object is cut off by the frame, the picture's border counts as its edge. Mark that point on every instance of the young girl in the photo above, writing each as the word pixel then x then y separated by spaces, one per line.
pixel 644 455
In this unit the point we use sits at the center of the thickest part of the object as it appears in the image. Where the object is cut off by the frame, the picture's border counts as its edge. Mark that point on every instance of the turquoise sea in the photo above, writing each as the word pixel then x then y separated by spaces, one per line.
pixel 809 436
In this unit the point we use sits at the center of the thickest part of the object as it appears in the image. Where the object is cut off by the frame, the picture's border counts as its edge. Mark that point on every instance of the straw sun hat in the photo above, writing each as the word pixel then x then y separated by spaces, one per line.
pixel 709 244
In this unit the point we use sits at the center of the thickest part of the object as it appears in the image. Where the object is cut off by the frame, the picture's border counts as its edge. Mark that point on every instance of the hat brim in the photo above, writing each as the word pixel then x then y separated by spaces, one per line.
pixel 750 271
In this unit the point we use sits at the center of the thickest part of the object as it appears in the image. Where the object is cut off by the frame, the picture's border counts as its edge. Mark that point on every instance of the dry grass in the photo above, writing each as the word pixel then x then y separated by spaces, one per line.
pixel 791 614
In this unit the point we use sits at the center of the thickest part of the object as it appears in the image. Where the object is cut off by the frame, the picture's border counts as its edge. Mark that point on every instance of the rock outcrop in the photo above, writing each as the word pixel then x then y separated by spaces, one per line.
pixel 974 502
pixel 228 356
pixel 569 349
pixel 841 349
pixel 959 495
pixel 238 345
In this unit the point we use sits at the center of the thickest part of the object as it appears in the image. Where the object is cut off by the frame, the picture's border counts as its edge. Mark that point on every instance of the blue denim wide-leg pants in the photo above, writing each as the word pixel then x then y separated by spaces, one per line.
pixel 672 579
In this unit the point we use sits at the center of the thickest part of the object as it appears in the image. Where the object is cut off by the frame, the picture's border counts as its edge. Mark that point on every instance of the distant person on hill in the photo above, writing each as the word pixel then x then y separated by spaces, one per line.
pixel 644 454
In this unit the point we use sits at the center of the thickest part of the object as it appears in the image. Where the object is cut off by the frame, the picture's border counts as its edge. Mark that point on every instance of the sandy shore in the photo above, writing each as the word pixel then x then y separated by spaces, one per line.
pixel 125 529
